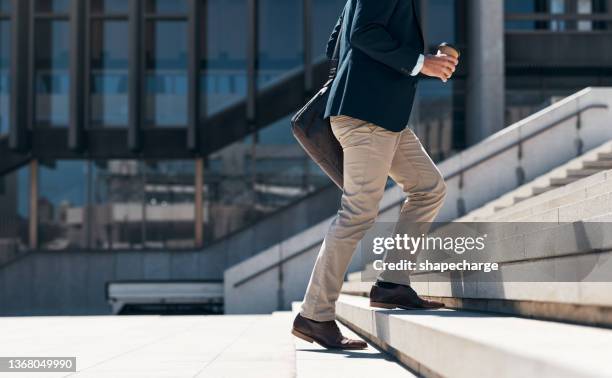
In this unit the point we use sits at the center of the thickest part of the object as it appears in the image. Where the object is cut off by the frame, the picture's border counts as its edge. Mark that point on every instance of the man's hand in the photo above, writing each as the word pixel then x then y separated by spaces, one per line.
pixel 440 66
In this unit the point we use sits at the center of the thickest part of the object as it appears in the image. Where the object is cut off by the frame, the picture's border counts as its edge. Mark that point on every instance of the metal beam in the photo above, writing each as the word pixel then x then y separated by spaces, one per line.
pixel 77 104
pixel 18 129
pixel 308 53
pixel 193 74
pixel 135 74
pixel 252 59
pixel 33 221
pixel 199 202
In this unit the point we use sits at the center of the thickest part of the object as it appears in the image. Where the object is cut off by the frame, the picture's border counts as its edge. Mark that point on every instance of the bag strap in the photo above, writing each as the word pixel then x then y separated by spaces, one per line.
pixel 335 60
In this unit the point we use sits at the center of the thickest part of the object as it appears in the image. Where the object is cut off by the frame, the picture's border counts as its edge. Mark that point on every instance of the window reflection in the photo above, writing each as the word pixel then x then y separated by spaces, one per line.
pixel 62 204
pixel 109 73
pixel 246 181
pixel 223 79
pixel 5 75
pixel 169 204
pixel 117 208
pixel 116 204
pixel 52 55
pixel 280 38
pixel 325 16
pixel 166 75
pixel 432 117
pixel 441 26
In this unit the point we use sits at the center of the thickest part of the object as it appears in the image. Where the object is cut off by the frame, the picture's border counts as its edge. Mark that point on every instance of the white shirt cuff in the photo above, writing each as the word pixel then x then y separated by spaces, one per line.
pixel 419 65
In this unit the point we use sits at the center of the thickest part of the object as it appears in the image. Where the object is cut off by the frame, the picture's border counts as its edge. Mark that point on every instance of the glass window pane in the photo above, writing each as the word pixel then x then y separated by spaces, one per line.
pixel 109 73
pixel 224 62
pixel 14 212
pixel 109 6
pixel 140 204
pixel 117 208
pixel 280 38
pixel 5 75
pixel 169 204
pixel 325 14
pixel 443 29
pixel 244 183
pixel 432 116
pixel 52 6
pixel 5 6
pixel 166 73
pixel 52 55
pixel 62 205
pixel 166 6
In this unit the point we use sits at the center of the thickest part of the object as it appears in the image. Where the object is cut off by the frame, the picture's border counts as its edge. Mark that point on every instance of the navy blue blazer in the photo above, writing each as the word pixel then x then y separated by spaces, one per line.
pixel 380 43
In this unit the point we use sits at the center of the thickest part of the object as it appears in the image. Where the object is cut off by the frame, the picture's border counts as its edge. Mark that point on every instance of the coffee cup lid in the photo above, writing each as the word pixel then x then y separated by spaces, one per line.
pixel 448 45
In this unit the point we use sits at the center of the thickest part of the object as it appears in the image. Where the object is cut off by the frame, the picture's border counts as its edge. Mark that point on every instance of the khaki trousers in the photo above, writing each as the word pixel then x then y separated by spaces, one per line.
pixel 371 154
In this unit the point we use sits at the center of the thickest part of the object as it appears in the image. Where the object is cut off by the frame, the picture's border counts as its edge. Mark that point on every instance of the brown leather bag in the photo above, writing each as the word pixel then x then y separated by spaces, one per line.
pixel 313 131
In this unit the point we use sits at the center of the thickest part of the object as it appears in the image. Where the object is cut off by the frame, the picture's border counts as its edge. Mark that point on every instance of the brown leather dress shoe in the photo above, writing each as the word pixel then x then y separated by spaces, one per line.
pixel 326 334
pixel 400 296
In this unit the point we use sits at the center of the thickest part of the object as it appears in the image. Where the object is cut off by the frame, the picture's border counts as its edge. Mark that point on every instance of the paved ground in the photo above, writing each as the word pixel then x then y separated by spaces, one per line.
pixel 154 346
pixel 182 346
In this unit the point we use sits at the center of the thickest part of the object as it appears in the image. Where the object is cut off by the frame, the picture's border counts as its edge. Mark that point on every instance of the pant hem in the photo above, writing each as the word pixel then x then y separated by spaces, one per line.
pixel 318 318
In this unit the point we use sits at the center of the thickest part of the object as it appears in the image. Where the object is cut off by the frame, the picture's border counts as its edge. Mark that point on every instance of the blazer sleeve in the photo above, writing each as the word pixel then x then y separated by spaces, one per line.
pixel 369 34
pixel 331 44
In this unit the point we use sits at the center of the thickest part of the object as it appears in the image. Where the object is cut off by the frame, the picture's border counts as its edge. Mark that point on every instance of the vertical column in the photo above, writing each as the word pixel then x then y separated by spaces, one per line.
pixel 252 49
pixel 199 202
pixel 77 63
pixel 486 69
pixel 308 75
pixel 19 75
pixel 193 73
pixel 33 225
pixel 135 76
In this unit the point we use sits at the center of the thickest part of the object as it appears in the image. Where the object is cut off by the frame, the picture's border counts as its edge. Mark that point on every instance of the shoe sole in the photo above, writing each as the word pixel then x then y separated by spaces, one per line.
pixel 391 306
pixel 309 339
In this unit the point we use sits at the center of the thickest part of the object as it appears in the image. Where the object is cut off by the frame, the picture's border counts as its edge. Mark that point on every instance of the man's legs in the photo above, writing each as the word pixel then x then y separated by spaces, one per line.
pixel 368 154
pixel 414 171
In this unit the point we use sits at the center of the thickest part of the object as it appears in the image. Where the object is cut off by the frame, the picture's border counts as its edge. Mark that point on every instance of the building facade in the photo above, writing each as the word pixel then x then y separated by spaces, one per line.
pixel 164 124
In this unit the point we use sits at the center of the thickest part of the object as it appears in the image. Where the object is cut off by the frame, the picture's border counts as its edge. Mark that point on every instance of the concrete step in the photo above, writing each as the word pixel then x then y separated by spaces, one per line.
pixel 541 190
pixel 583 172
pixel 313 361
pixel 561 181
pixel 471 344
pixel 604 164
pixel 604 156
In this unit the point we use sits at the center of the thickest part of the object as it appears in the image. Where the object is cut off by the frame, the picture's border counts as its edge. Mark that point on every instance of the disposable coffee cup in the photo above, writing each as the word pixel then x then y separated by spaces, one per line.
pixel 448 49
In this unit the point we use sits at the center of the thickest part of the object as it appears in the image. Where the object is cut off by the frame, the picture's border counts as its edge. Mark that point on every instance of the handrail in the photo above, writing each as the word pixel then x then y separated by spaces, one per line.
pixel 454 174
pixel 517 143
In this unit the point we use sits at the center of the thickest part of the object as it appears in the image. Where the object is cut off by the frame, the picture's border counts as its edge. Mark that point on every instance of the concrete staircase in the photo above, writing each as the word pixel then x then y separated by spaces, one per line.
pixel 513 329
pixel 452 343
pixel 592 162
